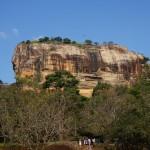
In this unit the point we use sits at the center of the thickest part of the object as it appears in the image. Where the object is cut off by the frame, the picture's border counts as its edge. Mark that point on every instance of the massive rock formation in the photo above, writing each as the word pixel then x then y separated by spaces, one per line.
pixel 90 64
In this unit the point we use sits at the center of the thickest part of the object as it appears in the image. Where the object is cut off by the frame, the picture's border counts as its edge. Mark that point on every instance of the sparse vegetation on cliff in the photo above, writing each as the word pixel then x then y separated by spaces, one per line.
pixel 59 39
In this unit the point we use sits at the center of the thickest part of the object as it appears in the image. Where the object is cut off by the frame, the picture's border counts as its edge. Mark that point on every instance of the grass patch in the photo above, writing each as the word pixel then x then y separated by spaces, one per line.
pixel 34 41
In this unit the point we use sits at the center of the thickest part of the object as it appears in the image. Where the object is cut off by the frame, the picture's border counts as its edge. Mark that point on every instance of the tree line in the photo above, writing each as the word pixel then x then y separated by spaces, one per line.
pixel 59 39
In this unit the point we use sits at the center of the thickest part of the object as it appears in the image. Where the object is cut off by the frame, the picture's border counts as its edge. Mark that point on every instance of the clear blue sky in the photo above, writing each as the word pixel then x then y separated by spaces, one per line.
pixel 125 22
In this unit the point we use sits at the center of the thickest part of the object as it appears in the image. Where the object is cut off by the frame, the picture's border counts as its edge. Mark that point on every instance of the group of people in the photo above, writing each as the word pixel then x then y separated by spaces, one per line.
pixel 87 141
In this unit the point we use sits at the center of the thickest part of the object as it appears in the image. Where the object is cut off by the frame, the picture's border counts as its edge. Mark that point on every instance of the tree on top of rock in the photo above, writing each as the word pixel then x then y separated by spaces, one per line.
pixel 58 39
pixel 66 41
pixel 89 42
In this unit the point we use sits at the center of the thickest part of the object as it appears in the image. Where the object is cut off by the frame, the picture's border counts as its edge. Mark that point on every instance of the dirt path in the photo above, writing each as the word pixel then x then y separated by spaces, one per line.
pixel 85 147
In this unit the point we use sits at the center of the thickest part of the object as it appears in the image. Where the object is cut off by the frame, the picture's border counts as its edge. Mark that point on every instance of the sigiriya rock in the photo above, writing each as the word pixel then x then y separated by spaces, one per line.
pixel 90 64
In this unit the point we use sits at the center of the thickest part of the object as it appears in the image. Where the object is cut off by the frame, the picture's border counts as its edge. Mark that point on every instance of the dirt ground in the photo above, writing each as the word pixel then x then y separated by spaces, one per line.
pixel 60 147
pixel 56 147
pixel 84 147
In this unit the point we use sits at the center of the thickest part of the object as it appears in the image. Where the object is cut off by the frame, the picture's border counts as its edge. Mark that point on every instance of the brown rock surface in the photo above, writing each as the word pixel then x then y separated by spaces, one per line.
pixel 90 64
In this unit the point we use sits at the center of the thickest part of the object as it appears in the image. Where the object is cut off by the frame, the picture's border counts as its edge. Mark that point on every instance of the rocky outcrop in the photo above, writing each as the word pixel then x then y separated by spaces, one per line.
pixel 90 64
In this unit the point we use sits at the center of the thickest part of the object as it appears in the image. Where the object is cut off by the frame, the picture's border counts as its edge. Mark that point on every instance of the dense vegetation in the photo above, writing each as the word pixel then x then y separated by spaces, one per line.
pixel 118 115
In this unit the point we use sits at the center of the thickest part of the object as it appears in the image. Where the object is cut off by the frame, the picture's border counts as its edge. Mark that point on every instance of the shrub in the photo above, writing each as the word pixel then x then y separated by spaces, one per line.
pixel 101 88
pixel 89 42
pixel 28 41
pixel 46 38
pixel 74 42
pixel 58 39
pixel 41 40
pixel 66 41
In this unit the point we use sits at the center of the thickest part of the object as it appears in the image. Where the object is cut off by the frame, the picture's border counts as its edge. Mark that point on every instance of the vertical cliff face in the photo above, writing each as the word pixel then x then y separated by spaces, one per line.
pixel 91 64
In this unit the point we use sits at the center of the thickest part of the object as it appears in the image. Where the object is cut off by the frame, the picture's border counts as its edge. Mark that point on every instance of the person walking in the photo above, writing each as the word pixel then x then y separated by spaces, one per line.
pixel 80 143
pixel 93 142
pixel 89 144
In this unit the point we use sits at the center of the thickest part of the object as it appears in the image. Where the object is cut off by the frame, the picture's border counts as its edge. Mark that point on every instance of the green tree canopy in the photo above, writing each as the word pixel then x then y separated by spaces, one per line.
pixel 131 127
pixel 41 40
pixel 88 42
pixel 1 82
pixel 58 39
pixel 101 88
pixel 46 38
pixel 96 43
pixel 74 42
pixel 60 79
pixel 28 41
pixel 66 41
